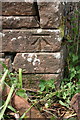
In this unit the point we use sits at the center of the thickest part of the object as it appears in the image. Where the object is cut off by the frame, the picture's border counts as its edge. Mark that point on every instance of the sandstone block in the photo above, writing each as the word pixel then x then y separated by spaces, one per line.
pixel 0 8
pixel 32 40
pixel 38 62
pixel 2 55
pixel 0 41
pixel 32 81
pixel 6 61
pixel 0 23
pixel 50 14
pixel 19 22
pixel 18 8
pixel 2 60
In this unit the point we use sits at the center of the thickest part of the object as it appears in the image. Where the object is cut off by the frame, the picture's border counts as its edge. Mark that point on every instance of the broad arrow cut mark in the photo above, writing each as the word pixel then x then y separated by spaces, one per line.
pixel 39 41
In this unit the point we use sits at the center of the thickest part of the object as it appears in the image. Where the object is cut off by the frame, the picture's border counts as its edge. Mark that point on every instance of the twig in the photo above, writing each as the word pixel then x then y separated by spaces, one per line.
pixel 49 112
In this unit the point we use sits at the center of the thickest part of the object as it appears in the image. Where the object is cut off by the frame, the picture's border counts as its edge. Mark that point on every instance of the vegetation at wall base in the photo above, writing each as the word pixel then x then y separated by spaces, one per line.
pixel 48 100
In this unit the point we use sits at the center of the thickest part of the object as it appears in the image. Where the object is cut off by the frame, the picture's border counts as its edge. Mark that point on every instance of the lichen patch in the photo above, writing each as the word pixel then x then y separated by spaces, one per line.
pixel 32 57
pixel 23 55
pixel 39 30
pixel 57 55
pixel 13 39
pixel 36 61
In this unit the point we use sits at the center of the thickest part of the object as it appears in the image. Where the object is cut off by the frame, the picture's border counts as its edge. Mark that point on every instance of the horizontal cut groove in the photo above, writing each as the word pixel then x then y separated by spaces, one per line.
pixel 43 52
pixel 40 53
pixel 49 28
pixel 18 15
pixel 30 29
pixel 21 28
pixel 40 73
pixel 41 34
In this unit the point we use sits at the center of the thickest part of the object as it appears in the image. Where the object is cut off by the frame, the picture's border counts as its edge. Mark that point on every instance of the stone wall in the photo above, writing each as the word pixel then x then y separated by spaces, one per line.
pixel 32 36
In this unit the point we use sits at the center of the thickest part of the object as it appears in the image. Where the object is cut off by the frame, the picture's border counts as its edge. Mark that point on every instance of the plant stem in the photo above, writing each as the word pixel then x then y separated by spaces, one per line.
pixel 27 111
pixel 50 95
pixel 20 77
pixel 3 78
pixel 1 86
pixel 49 112
pixel 7 102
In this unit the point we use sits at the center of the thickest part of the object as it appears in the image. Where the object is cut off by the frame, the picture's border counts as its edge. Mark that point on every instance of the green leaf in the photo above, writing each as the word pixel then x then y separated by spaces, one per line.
pixel 22 93
pixel 11 108
pixel 4 65
pixel 64 104
pixel 75 58
pixel 53 118
pixel 42 87
pixel 72 118
pixel 64 95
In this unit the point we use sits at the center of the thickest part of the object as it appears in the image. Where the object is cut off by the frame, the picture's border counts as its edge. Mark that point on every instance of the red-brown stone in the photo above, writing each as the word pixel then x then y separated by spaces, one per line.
pixel 75 103
pixel 32 40
pixel 19 22
pixel 18 8
pixel 39 62
pixel 50 14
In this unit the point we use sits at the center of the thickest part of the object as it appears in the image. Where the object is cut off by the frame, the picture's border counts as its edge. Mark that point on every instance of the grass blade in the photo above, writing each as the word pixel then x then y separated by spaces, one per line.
pixel 7 102
pixel 20 77
pixel 3 78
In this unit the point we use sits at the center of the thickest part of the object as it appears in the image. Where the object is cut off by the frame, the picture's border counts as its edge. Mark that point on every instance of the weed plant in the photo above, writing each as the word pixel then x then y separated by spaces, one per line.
pixel 70 85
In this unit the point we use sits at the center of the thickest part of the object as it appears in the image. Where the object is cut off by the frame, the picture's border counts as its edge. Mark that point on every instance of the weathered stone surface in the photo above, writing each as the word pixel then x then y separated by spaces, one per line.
pixel 1 67
pixel 0 7
pixel 0 14
pixel 1 41
pixel 31 40
pixel 7 61
pixel 75 103
pixel 31 81
pixel 50 14
pixel 38 62
pixel 2 55
pixel 19 22
pixel 18 8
